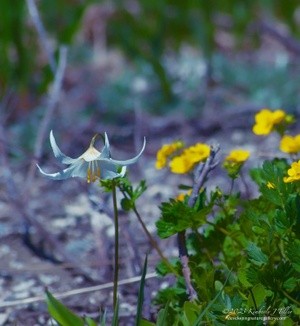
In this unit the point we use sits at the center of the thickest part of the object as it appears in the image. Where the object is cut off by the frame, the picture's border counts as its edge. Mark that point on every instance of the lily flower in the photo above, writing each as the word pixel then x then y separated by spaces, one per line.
pixel 92 164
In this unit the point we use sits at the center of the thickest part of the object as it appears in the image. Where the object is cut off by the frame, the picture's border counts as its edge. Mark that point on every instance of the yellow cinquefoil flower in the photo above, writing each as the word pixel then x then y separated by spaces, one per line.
pixel 165 152
pixel 237 156
pixel 92 164
pixel 293 173
pixel 290 144
pixel 190 156
pixel 234 162
pixel 182 196
pixel 265 120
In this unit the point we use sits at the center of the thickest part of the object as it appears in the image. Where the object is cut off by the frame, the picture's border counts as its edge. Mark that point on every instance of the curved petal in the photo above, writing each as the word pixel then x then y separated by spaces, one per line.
pixel 75 170
pixel 109 170
pixel 108 174
pixel 105 153
pixel 58 153
pixel 65 174
pixel 125 162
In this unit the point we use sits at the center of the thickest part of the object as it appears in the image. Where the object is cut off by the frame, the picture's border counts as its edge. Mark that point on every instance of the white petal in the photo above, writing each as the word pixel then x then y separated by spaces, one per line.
pixel 106 149
pixel 80 169
pixel 65 174
pixel 108 174
pixel 58 153
pixel 125 162
pixel 75 170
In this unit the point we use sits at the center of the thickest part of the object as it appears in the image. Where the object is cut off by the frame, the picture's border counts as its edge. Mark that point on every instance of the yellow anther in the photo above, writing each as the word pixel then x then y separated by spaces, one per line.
pixel 89 175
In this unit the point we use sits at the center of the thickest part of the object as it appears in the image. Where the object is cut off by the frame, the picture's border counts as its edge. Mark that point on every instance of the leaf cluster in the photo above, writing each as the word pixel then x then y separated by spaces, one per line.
pixel 178 216
pixel 257 239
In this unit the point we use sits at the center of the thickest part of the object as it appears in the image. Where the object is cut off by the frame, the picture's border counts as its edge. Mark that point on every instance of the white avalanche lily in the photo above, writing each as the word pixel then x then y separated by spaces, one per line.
pixel 92 164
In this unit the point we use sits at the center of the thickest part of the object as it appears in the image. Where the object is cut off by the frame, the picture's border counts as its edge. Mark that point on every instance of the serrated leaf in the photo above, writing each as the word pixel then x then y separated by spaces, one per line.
pixel 252 275
pixel 291 283
pixel 61 313
pixel 256 255
pixel 200 317
pixel 177 216
pixel 293 253
pixel 258 296
pixel 242 277
pixel 163 269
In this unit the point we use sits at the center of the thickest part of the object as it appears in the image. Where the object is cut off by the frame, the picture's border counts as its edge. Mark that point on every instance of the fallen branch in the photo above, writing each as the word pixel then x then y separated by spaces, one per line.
pixel 74 292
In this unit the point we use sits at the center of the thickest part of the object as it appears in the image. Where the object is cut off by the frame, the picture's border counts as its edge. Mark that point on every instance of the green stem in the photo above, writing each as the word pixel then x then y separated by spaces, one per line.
pixel 291 298
pixel 116 223
pixel 225 232
pixel 153 242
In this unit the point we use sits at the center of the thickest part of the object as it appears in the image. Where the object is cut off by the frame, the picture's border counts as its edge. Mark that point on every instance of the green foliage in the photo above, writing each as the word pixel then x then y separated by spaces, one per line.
pixel 67 17
pixel 191 22
pixel 130 193
pixel 61 313
pixel 257 239
pixel 177 216
pixel 19 59
pixel 13 37
pixel 138 317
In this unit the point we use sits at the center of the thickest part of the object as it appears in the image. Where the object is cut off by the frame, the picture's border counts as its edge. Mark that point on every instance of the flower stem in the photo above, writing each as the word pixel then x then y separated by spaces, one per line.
pixel 116 223
pixel 153 242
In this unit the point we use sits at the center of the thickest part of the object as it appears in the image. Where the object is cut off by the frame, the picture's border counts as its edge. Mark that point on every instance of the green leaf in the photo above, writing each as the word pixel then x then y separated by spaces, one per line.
pixel 162 316
pixel 145 322
pixel 204 312
pixel 190 312
pixel 177 216
pixel 103 318
pixel 163 269
pixel 259 294
pixel 141 294
pixel 61 313
pixel 115 321
pixel 291 283
pixel 252 275
pixel 242 277
pixel 258 230
pixel 255 254
pixel 126 204
pixel 89 322
pixel 293 253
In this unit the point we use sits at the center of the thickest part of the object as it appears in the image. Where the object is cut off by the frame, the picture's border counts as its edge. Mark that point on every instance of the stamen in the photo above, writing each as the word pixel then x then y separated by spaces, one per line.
pixel 93 171
pixel 89 174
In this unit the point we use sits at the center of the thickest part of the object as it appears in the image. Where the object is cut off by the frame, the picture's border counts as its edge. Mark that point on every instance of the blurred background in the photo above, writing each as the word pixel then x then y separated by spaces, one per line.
pixel 161 69
pixel 160 56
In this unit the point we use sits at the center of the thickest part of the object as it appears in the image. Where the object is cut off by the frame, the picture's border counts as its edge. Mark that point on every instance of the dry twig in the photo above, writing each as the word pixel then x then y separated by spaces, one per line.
pixel 49 111
pixel 33 11
pixel 200 175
